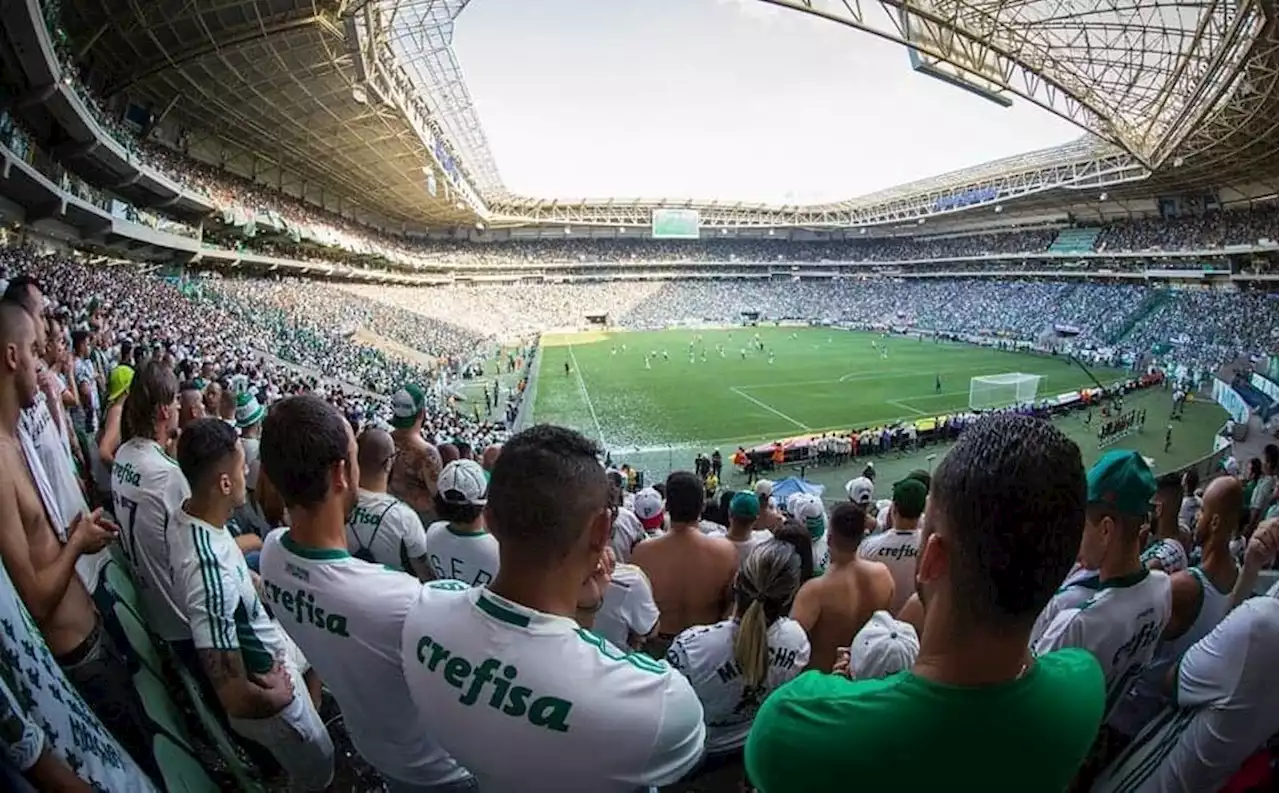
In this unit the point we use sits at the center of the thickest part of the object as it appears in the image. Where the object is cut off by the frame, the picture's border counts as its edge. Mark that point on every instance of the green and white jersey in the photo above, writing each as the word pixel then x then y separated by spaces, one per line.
pixel 705 655
pixel 1147 697
pixel 212 583
pixel 347 615
pixel 1080 585
pixel 533 702
pixel 41 711
pixel 628 606
pixel 897 551
pixel 147 491
pixel 384 530
pixel 1170 553
pixel 1120 624
pixel 469 557
pixel 1224 710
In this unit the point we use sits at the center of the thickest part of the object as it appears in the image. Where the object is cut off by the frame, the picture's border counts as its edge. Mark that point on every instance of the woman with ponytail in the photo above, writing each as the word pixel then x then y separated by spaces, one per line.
pixel 734 664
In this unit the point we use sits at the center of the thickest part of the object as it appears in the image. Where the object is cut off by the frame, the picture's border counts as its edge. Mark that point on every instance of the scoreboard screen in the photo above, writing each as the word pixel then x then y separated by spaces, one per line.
pixel 675 224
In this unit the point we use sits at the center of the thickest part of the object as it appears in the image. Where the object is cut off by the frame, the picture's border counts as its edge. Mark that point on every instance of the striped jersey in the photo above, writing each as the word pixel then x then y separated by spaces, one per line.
pixel 212 584
pixel 705 655
pixel 533 703
pixel 347 615
pixel 1224 710
pixel 628 607
pixel 469 557
pixel 1147 696
pixel 1120 624
pixel 147 491
pixel 382 529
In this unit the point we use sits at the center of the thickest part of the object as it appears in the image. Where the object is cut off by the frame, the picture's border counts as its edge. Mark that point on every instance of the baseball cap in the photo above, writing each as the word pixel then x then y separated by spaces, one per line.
pixel 248 410
pixel 649 508
pixel 808 509
pixel 764 487
pixel 884 646
pixel 860 490
pixel 406 404
pixel 922 476
pixel 119 381
pixel 463 482
pixel 1122 480
pixel 909 496
pixel 744 505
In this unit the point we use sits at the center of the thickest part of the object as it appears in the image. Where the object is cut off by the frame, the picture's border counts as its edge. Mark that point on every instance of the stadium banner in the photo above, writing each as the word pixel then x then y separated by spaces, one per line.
pixel 1230 400
pixel 1265 386
pixel 1065 329
pixel 675 224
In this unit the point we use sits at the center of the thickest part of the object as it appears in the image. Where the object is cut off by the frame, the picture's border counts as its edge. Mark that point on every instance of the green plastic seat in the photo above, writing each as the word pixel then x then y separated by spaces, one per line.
pixel 181 772
pixel 117 579
pixel 245 774
pixel 140 642
pixel 160 707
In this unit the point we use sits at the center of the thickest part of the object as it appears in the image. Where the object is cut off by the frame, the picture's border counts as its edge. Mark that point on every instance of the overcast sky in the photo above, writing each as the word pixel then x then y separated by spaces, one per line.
pixel 717 99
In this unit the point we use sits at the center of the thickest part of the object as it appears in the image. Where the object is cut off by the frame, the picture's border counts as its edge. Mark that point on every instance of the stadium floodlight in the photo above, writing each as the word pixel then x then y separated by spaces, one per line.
pixel 1002 390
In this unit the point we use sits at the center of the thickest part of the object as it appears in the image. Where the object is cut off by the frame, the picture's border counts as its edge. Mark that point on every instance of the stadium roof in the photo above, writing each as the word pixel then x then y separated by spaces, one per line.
pixel 365 98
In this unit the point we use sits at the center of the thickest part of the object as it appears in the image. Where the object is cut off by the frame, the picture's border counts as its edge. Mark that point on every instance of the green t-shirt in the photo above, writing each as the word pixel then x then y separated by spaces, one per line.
pixel 904 733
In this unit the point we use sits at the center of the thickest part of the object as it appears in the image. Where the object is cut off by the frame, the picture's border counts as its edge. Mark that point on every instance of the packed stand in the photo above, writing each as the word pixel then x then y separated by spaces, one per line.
pixel 1211 230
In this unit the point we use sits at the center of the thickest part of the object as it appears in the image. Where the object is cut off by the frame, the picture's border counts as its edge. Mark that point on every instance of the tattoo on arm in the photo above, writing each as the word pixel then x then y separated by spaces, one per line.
pixel 222 666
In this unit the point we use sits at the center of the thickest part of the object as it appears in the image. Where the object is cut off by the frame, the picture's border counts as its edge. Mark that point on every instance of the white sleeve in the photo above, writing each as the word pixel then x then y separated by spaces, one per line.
pixel 1063 630
pixel 677 746
pixel 204 598
pixel 677 656
pixel 415 537
pixel 1209 670
pixel 638 608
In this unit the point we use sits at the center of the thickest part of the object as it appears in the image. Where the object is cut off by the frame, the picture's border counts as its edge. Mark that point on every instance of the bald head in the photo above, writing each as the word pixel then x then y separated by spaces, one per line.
pixel 448 453
pixel 1220 510
pixel 374 450
pixel 490 456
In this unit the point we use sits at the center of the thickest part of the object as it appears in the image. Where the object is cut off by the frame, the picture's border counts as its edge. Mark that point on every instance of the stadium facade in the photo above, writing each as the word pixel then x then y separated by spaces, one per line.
pixel 360 109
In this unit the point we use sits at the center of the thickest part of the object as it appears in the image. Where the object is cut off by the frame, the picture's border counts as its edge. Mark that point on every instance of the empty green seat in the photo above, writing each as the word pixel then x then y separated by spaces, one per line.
pixel 182 772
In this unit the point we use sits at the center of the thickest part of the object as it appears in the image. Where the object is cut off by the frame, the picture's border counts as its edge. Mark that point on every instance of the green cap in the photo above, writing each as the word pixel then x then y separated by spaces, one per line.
pixel 744 505
pixel 1123 481
pixel 406 404
pixel 909 496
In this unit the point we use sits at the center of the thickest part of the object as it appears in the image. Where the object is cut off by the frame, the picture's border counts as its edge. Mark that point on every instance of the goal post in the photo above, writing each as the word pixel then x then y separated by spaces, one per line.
pixel 1001 390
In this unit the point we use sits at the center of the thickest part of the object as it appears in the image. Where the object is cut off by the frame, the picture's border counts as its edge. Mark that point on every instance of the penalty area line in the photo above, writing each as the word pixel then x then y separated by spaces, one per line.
pixel 904 406
pixel 769 408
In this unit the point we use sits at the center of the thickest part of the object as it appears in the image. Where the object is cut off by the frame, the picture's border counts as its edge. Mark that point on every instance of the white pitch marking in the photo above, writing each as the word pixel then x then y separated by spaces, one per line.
pixel 772 410
pixel 587 397
pixel 904 406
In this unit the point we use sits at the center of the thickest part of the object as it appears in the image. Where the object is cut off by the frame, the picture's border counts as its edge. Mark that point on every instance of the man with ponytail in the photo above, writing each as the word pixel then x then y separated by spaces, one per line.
pixel 734 664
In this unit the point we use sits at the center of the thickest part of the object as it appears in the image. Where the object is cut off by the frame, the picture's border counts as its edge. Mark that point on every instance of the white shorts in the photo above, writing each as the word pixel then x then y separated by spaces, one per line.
pixel 296 737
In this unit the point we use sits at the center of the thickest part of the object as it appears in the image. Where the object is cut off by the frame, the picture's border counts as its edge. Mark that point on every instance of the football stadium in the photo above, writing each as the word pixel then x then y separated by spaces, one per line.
pixel 688 395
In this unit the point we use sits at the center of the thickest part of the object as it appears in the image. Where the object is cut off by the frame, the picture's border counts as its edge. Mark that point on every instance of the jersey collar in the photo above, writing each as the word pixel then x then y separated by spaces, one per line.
pixel 314 554
pixel 513 614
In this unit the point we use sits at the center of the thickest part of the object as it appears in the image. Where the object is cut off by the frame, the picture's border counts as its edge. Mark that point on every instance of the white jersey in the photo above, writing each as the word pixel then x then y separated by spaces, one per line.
pixel 628 607
pixel 534 703
pixel 1225 710
pixel 743 547
pixel 1147 696
pixel 252 461
pixel 1120 624
pixel 347 615
pixel 897 550
pixel 705 655
pixel 821 554
pixel 51 448
pixel 384 530
pixel 147 491
pixel 1170 553
pixel 470 558
pixel 212 584
pixel 627 534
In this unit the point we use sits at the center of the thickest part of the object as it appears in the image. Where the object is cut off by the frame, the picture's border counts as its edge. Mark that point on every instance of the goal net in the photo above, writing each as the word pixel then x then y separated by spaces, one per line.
pixel 1002 390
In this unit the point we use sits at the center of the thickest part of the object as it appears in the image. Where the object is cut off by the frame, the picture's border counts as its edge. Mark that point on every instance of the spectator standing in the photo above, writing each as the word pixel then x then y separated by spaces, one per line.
pixel 744 508
pixel 245 655
pixel 1167 551
pixel 1190 498
pixel 1264 492
pixel 996 544
pixel 357 609
pixel 532 701
pixel 897 547
pixel 833 607
pixel 692 573
pixel 628 617
pixel 734 664
pixel 459 547
pixel 381 528
pixel 417 464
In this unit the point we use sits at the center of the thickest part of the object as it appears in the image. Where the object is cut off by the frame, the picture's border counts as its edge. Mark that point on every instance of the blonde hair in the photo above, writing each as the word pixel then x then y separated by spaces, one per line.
pixel 766 584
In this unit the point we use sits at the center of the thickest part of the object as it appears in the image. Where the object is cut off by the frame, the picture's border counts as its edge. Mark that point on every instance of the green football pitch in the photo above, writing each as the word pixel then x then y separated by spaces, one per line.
pixel 819 380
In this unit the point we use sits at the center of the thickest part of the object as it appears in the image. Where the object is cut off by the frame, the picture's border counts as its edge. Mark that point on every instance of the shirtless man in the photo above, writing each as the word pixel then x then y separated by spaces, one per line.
pixel 43 568
pixel 691 573
pixel 417 465
pixel 833 607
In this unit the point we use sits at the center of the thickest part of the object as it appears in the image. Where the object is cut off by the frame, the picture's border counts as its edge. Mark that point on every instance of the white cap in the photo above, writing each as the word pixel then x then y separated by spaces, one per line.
pixel 764 487
pixel 463 482
pixel 809 510
pixel 648 506
pixel 860 490
pixel 883 647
